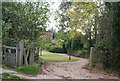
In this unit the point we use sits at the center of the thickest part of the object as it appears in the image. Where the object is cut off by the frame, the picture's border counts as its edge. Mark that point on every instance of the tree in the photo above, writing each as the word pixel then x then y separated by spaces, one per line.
pixel 82 17
pixel 27 21
pixel 107 42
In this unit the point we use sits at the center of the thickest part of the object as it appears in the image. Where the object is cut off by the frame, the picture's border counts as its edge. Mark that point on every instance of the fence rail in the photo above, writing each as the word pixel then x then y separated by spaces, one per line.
pixel 10 56
pixel 15 56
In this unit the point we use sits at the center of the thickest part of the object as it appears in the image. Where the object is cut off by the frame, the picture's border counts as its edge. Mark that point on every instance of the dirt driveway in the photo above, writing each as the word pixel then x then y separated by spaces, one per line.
pixel 67 70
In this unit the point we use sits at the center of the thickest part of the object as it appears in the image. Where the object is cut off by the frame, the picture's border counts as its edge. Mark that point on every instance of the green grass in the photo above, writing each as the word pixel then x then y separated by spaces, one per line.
pixel 30 69
pixel 55 57
pixel 8 76
pixel 6 67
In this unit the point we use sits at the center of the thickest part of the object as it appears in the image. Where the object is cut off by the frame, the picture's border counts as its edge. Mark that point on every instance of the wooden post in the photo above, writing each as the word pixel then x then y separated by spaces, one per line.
pixel 31 58
pixel 16 59
pixel 69 56
pixel 37 54
pixel 40 51
pixel 21 52
pixel 5 60
pixel 91 58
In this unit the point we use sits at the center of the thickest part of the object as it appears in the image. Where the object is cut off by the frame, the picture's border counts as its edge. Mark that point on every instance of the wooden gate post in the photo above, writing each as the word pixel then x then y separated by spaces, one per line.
pixel 21 52
pixel 31 57
pixel 91 58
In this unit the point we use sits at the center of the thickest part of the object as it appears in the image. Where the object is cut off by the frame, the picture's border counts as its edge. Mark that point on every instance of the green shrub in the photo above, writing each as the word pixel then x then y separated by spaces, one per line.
pixel 5 75
pixel 57 49
pixel 81 53
pixel 8 76
pixel 30 69
pixel 15 77
pixel 108 55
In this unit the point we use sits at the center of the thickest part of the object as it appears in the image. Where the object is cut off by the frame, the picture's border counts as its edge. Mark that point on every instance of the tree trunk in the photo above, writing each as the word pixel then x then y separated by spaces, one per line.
pixel 95 28
pixel 26 55
pixel 90 41
pixel 71 48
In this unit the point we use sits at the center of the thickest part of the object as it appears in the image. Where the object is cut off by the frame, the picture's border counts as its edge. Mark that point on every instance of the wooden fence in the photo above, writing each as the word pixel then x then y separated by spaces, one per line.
pixel 14 56
pixel 10 57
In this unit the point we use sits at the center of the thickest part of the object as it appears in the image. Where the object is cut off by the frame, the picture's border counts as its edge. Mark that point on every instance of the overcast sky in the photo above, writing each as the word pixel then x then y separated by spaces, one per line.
pixel 54 6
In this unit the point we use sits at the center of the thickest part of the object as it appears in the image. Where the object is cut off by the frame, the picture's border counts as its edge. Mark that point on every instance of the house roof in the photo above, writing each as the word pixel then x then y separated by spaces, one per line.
pixel 49 34
pixel 47 44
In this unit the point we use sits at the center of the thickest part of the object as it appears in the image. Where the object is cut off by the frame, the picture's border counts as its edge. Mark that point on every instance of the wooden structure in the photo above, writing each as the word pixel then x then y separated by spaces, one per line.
pixel 94 60
pixel 10 56
pixel 15 56
pixel 91 63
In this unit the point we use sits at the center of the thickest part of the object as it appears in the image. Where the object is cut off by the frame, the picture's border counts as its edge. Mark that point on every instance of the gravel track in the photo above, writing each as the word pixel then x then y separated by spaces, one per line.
pixel 67 70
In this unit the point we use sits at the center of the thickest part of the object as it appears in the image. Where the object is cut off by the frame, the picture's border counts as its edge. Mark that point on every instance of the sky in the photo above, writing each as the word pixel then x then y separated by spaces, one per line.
pixel 54 6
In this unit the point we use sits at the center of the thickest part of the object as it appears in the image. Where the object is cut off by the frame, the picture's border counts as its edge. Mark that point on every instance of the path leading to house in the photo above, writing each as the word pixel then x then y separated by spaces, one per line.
pixel 67 70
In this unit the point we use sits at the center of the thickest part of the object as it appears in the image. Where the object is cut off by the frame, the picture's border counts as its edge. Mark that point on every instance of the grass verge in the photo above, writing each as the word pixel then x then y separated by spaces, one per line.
pixel 8 76
pixel 33 69
pixel 55 57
